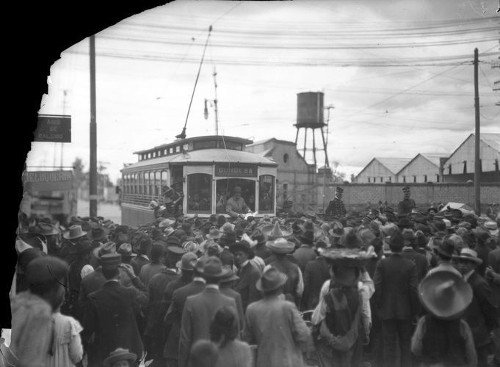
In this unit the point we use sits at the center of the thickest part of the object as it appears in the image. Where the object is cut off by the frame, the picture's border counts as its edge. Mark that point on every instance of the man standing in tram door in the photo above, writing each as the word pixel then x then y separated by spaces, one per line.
pixel 336 206
pixel 236 206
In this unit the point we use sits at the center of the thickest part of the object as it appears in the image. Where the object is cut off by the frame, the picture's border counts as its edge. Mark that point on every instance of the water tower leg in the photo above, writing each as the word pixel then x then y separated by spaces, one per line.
pixel 314 147
pixel 327 164
pixel 305 143
pixel 297 137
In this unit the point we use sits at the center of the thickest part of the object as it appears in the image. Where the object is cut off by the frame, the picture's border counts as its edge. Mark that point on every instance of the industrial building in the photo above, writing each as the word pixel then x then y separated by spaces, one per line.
pixel 382 170
pixel 423 168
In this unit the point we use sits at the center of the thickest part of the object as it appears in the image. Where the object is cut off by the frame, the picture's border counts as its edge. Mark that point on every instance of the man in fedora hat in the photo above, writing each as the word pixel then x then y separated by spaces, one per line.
pixel 31 323
pixel 396 298
pixel 482 313
pixel 248 273
pixel 52 234
pixel 200 309
pixel 294 286
pixel 275 325
pixel 442 337
pixel 70 238
pixel 336 206
pixel 120 357
pixel 406 205
pixel 109 320
pixel 172 320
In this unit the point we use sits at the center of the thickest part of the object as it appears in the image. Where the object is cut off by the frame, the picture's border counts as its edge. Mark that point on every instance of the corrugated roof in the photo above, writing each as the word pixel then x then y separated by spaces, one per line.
pixel 393 164
pixel 493 140
pixel 208 156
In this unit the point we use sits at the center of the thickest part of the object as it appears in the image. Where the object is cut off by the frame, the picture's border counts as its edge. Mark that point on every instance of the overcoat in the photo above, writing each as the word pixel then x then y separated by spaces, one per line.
pixel 245 286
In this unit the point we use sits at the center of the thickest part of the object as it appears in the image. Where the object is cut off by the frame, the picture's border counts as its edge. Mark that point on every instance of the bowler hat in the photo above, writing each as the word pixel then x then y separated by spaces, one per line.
pixel 119 354
pixel 187 262
pixel 74 232
pixel 212 268
pixel 445 294
pixel 46 269
pixel 270 280
pixel 280 246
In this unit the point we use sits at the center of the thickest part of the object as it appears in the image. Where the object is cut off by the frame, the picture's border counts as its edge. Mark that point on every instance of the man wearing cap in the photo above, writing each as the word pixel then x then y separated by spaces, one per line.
pixel 482 313
pixel 236 206
pixel 336 207
pixel 396 298
pixel 172 320
pixel 31 323
pixel 275 325
pixel 406 205
pixel 247 272
pixel 200 309
pixel 156 309
pixel 109 320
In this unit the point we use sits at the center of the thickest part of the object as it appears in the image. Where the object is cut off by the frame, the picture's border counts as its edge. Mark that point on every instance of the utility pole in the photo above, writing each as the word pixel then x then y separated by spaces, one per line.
pixel 93 134
pixel 477 160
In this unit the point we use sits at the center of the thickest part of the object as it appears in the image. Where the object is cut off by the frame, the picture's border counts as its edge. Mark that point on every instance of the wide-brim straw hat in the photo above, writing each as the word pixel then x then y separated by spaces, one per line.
pixel 445 294
pixel 119 354
pixel 276 230
pixel 469 255
pixel 270 280
pixel 280 246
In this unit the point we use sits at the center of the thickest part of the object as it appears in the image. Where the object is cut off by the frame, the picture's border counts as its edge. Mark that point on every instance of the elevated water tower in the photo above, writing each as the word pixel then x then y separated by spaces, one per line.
pixel 310 117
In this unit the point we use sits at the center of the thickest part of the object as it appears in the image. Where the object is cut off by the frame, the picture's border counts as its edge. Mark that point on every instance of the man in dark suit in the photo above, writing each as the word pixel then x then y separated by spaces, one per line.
pixel 315 274
pixel 247 272
pixel 336 207
pixel 200 309
pixel 397 301
pixel 225 287
pixel 109 320
pixel 409 252
pixel 305 252
pixel 172 320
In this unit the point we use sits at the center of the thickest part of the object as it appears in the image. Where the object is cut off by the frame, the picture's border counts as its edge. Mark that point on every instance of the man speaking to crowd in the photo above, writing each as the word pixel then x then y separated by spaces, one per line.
pixel 236 206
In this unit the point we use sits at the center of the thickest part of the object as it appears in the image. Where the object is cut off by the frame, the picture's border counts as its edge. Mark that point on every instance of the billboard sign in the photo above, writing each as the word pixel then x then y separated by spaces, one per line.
pixel 53 128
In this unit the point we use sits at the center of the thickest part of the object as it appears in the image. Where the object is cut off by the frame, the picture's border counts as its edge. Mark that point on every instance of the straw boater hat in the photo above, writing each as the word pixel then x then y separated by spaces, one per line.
pixel 270 280
pixel 280 246
pixel 469 255
pixel 74 232
pixel 119 354
pixel 445 294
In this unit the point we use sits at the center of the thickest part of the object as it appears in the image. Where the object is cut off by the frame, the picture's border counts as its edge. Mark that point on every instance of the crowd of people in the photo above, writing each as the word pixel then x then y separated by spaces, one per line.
pixel 247 291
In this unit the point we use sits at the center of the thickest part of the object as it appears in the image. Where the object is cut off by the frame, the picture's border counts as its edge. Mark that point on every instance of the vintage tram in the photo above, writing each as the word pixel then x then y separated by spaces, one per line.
pixel 204 170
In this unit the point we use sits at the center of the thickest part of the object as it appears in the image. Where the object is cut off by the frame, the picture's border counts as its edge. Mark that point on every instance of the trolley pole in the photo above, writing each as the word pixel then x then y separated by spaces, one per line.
pixel 477 160
pixel 93 134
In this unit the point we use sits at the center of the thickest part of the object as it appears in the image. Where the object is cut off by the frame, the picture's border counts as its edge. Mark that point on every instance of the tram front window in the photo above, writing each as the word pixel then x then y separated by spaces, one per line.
pixel 199 188
pixel 226 190
pixel 266 194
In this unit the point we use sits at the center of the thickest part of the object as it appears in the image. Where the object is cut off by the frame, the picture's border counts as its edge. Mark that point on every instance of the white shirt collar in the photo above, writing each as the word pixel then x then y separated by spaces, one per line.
pixel 199 279
pixel 213 286
pixel 244 263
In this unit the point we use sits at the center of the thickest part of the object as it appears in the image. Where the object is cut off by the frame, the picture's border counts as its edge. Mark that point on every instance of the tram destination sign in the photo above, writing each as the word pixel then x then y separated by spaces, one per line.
pixel 235 170
pixel 53 128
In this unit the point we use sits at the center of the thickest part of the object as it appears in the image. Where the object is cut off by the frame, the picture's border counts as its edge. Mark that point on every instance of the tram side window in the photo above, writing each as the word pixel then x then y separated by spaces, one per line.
pixel 266 194
pixel 199 189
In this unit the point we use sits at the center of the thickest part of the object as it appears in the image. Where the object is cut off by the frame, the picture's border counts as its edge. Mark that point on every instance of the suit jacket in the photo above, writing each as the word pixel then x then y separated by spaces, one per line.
pixel 315 275
pixel 396 284
pixel 197 315
pixel 138 262
pixel 304 254
pixel 228 291
pixel 172 321
pixel 481 315
pixel 420 261
pixel 245 286
pixel 109 321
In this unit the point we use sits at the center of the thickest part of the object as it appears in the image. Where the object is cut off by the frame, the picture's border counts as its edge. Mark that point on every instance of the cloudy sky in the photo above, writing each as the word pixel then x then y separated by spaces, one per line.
pixel 398 77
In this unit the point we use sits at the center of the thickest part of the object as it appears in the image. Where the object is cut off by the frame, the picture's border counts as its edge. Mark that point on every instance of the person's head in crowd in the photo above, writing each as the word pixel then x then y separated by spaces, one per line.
pixel 439 225
pixel 367 236
pixel 204 353
pixel 120 357
pixel 319 246
pixel 378 246
pixel 307 238
pixel 157 253
pixel 125 250
pixel 173 255
pixel 421 240
pixel 458 242
pixel 187 265
pixel 396 242
pixel 468 237
pixel 351 240
pixel 346 276
pixel 443 248
pixel 120 235
pixel 224 327
pixel 52 235
pixel 481 236
pixel 187 227
pixel 35 240
pixel 467 261
pixel 145 245
pixel 156 234
pixel 173 241
pixel 46 276
pixel 409 237
pixel 271 282
pixel 213 249
pixel 84 249
pixel 471 218
pixel 242 252
pixel 213 270
pixel 110 265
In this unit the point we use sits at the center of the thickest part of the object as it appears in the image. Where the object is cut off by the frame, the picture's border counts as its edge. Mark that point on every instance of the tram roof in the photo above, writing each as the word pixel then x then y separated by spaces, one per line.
pixel 205 156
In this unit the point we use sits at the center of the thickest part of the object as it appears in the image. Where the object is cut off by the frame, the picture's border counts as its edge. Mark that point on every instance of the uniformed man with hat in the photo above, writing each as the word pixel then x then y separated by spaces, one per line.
pixel 336 207
pixel 406 205
pixel 109 320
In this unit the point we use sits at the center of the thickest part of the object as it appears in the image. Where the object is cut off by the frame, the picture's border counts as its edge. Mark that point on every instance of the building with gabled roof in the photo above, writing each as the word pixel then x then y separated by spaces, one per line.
pixel 423 168
pixel 460 166
pixel 381 170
